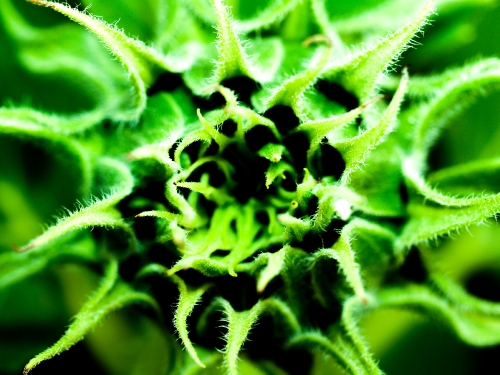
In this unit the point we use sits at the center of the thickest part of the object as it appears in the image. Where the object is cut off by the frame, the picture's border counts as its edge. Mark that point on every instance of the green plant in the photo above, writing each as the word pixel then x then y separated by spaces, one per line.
pixel 272 169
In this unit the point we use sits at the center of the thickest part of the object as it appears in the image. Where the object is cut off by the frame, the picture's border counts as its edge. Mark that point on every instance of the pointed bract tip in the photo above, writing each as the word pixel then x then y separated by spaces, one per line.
pixel 260 289
pixel 231 272
pixel 47 4
pixel 372 100
pixel 18 249
pixel 131 156
pixel 200 117
pixel 318 38
pixel 364 298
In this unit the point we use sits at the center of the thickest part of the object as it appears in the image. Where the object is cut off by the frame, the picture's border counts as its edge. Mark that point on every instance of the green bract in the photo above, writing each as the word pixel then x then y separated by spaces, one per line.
pixel 245 166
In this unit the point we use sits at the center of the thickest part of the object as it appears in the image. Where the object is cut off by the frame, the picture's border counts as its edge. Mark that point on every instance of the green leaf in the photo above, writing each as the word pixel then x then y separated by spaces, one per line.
pixel 456 88
pixel 212 131
pixel 99 212
pixel 144 20
pixel 367 194
pixel 343 253
pixel 273 268
pixel 317 130
pixel 29 124
pixel 452 92
pixel 292 90
pixel 159 214
pixel 472 174
pixel 232 60
pixel 282 313
pixel 277 170
pixel 295 228
pixel 431 86
pixel 340 349
pixel 352 313
pixel 355 150
pixel 472 325
pixel 239 324
pixel 162 124
pixel 293 275
pixel 142 63
pixel 238 328
pixel 189 217
pixel 111 295
pixel 304 189
pixel 478 178
pixel 188 299
pixel 462 300
pixel 362 72
pixel 62 51
pixel 428 223
pixel 218 196
pixel 53 122
pixel 17 267
pixel 200 135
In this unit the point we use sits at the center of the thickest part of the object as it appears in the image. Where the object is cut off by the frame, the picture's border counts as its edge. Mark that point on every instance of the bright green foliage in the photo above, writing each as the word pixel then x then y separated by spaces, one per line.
pixel 249 162
pixel 98 212
pixel 111 295
pixel 188 299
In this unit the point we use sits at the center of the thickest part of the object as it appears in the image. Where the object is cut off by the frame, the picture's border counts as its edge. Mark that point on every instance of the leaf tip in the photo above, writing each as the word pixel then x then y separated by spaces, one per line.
pixel 132 155
pixel 199 362
pixel 364 299
pixel 16 248
pixel 44 3
pixel 232 272
pixel 260 288
pixel 23 249
pixel 318 38
pixel 372 101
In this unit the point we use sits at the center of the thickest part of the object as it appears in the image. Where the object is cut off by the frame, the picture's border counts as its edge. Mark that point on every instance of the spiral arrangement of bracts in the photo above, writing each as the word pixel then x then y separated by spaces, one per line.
pixel 274 177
